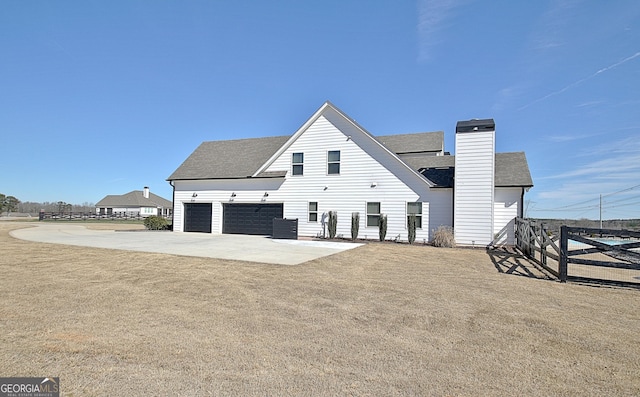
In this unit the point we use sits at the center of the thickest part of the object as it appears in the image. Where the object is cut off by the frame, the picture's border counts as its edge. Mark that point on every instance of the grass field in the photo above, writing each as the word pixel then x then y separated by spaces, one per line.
pixel 382 319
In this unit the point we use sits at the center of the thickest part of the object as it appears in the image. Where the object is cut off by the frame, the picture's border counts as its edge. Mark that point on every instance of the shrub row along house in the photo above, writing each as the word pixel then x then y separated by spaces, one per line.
pixel 333 164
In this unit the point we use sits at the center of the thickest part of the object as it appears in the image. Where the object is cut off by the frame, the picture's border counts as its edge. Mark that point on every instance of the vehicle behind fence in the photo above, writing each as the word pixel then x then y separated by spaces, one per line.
pixel 574 253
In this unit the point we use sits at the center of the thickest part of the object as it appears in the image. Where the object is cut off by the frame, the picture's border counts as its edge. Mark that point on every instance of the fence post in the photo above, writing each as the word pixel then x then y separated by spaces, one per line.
pixel 564 244
pixel 543 244
pixel 532 239
pixel 529 232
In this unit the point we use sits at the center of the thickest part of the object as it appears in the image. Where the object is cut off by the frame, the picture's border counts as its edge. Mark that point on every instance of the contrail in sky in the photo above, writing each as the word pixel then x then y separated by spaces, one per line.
pixel 575 83
pixel 432 15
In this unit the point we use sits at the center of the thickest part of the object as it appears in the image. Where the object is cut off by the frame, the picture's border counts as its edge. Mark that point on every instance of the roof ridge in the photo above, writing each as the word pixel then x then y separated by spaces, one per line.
pixel 248 139
pixel 410 133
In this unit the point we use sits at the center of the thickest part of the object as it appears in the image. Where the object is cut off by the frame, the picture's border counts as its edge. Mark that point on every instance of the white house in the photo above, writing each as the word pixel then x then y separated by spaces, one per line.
pixel 333 164
pixel 135 203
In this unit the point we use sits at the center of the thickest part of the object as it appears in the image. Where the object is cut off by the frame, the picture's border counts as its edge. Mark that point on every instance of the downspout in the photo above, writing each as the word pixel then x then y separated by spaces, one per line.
pixel 453 201
pixel 173 202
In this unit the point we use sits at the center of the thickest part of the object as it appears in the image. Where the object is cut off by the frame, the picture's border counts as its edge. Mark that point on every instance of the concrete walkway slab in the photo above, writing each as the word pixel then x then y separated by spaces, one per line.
pixel 222 246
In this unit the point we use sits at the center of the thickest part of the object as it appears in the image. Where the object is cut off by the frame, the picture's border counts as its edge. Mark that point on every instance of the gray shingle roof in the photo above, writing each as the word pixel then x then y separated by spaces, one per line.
pixel 241 158
pixel 430 162
pixel 511 169
pixel 134 199
pixel 414 143
pixel 238 158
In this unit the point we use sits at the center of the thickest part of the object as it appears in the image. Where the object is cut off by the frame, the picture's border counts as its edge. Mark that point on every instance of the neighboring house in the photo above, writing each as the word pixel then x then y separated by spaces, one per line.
pixel 136 203
pixel 333 164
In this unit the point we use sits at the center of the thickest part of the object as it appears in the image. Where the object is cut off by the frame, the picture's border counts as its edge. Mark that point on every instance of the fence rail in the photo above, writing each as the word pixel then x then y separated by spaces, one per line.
pixel 538 244
pixel 607 255
pixel 66 216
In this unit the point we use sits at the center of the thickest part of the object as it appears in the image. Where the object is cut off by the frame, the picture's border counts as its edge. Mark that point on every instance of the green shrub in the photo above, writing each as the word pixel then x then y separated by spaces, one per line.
pixel 411 226
pixel 443 237
pixel 333 224
pixel 383 227
pixel 355 225
pixel 154 222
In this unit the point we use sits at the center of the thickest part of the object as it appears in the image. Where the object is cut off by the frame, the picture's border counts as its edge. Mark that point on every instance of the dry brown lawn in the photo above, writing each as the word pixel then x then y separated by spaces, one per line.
pixel 382 319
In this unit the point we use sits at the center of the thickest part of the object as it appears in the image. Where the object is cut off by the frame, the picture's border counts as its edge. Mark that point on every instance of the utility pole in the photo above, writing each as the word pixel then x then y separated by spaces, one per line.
pixel 600 211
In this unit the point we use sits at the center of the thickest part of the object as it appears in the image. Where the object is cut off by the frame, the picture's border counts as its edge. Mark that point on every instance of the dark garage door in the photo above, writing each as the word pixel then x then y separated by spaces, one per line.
pixel 197 217
pixel 250 218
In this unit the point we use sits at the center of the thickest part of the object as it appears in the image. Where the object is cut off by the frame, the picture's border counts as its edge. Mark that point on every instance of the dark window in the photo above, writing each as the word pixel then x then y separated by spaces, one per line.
pixel 297 162
pixel 415 209
pixel 373 214
pixel 313 211
pixel 333 162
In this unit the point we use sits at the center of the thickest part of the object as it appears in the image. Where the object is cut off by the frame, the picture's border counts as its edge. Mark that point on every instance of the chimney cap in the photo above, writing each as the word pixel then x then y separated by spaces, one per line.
pixel 476 125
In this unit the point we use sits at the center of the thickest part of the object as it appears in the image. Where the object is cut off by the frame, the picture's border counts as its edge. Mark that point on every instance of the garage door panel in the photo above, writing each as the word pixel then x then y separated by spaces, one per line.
pixel 256 219
pixel 197 217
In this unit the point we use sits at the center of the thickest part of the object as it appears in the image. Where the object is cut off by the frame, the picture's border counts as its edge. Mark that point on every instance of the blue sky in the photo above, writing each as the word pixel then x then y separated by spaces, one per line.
pixel 105 97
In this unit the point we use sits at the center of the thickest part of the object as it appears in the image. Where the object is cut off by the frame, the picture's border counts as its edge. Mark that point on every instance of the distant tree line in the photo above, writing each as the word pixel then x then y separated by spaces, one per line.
pixel 11 204
pixel 8 203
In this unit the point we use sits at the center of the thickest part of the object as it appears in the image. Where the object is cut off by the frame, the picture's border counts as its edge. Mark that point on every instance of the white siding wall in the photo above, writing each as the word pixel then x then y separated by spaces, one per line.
pixel 474 187
pixel 505 209
pixel 344 193
pixel 143 211
pixel 441 213
pixel 217 192
pixel 352 189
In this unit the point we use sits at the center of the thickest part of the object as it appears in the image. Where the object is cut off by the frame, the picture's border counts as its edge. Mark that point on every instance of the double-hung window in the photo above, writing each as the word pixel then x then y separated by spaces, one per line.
pixel 415 209
pixel 333 162
pixel 313 211
pixel 373 214
pixel 297 163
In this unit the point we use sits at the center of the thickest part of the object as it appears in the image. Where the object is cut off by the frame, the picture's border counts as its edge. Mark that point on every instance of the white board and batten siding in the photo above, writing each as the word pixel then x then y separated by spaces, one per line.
pixel 474 187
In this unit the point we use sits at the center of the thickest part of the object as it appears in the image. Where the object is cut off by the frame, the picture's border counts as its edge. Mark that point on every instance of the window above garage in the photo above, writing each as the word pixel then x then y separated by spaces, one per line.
pixel 297 164
pixel 333 162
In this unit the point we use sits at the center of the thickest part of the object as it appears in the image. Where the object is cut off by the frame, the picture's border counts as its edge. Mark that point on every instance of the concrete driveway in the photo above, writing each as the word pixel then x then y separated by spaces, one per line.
pixel 221 246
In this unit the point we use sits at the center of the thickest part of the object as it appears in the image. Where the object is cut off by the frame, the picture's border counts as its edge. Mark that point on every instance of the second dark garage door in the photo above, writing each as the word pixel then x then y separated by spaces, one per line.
pixel 254 219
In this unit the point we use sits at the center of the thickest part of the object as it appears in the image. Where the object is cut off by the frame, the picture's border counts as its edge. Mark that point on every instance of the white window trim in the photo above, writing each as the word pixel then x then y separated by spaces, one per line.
pixel 366 212
pixel 420 215
pixel 339 162
pixel 294 164
pixel 309 212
